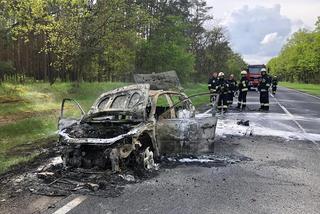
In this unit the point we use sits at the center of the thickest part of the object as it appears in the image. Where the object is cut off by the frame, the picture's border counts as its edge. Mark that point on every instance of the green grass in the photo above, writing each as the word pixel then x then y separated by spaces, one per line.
pixel 191 89
pixel 29 114
pixel 8 161
pixel 313 89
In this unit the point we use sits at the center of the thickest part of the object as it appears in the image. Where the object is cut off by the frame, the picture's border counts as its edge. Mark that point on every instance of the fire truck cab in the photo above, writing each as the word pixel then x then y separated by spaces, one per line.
pixel 253 75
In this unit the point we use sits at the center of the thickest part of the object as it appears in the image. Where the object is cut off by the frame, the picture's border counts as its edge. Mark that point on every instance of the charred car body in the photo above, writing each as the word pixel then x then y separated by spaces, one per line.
pixel 133 124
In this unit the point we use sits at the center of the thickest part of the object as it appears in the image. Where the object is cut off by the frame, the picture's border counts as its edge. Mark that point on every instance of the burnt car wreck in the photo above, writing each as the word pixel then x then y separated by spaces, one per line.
pixel 133 125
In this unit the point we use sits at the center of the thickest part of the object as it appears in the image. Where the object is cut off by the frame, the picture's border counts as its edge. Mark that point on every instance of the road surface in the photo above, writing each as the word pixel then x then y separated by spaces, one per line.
pixel 282 177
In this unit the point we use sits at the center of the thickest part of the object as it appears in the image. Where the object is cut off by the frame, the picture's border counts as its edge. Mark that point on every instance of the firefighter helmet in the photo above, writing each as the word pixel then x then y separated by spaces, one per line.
pixel 244 72
pixel 221 74
pixel 263 70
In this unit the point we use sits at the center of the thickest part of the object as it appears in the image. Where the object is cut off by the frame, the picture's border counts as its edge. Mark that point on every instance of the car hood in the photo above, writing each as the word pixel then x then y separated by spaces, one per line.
pixel 137 109
pixel 102 141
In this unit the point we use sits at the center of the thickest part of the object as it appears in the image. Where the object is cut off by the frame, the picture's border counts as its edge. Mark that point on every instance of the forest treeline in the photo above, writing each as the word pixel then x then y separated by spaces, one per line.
pixel 110 40
pixel 299 59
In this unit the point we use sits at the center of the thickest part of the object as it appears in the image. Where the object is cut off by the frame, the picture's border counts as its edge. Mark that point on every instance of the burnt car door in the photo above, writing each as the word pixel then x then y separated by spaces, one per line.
pixel 71 113
pixel 179 131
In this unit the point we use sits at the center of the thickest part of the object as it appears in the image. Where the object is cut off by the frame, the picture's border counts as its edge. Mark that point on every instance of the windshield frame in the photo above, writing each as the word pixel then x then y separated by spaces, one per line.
pixel 255 69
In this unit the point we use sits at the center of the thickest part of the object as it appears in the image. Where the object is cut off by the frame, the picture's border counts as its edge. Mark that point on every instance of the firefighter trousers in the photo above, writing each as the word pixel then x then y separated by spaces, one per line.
pixel 242 99
pixel 222 102
pixel 230 98
pixel 264 100
pixel 213 97
pixel 274 89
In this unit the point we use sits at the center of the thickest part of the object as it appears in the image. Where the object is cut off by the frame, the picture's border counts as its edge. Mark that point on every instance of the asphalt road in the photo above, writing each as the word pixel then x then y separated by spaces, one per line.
pixel 282 177
pixel 292 114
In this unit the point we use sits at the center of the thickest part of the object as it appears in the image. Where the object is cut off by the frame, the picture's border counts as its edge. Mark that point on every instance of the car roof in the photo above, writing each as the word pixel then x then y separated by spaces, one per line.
pixel 153 93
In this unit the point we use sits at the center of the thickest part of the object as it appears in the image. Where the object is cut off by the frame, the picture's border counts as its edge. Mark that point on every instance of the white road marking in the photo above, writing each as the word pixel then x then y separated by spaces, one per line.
pixel 295 121
pixel 72 204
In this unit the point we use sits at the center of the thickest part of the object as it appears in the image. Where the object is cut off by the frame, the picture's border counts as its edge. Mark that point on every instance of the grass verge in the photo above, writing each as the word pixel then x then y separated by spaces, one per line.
pixel 29 114
pixel 313 89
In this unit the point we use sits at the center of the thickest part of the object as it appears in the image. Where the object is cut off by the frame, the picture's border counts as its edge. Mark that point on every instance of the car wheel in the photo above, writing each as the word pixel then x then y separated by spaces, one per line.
pixel 145 159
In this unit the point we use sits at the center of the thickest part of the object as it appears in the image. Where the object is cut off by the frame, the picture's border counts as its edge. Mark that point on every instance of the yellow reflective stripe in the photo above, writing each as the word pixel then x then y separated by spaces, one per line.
pixel 244 89
pixel 209 84
pixel 263 90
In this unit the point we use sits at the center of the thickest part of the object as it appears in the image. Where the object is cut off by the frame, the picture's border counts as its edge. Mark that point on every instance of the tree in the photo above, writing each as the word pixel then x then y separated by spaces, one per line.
pixel 299 57
pixel 109 40
pixel 167 49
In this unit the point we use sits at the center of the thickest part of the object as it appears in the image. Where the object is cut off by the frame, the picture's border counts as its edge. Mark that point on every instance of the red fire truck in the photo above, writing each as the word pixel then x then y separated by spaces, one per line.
pixel 253 75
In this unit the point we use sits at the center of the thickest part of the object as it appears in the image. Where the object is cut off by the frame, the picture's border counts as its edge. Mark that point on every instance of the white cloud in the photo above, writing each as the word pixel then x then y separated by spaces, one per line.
pixel 256 58
pixel 252 24
pixel 259 31
pixel 269 38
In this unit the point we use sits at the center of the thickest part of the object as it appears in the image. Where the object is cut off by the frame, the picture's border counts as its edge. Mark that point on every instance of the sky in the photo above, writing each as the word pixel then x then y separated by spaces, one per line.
pixel 257 29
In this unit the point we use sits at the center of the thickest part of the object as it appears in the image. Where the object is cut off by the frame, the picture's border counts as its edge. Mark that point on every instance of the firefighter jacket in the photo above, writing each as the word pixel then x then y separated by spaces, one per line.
pixel 232 85
pixel 222 86
pixel 212 84
pixel 264 83
pixel 243 84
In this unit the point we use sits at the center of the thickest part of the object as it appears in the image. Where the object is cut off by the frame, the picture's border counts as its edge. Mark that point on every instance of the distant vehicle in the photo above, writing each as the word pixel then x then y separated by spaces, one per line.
pixel 254 74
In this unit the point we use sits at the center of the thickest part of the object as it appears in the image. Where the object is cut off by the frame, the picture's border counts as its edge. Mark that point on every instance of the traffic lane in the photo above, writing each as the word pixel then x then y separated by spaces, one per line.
pixel 282 178
pixel 305 109
pixel 299 103
pixel 262 120
pixel 275 122
pixel 253 103
pixel 311 127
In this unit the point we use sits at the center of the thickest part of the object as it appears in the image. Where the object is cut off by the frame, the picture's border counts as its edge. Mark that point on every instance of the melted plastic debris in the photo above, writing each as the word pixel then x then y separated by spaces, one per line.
pixel 209 160
pixel 56 160
pixel 59 181
pixel 127 177
pixel 243 122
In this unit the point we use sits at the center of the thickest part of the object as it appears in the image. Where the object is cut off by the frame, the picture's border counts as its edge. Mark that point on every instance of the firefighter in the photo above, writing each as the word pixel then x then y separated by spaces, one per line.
pixel 232 89
pixel 274 85
pixel 243 90
pixel 263 87
pixel 222 90
pixel 212 86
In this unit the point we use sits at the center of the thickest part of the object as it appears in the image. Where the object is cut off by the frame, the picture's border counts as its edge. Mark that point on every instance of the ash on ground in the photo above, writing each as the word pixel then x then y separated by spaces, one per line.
pixel 53 179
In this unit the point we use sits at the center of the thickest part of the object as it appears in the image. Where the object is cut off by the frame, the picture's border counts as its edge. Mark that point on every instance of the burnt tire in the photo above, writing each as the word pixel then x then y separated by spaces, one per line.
pixel 145 159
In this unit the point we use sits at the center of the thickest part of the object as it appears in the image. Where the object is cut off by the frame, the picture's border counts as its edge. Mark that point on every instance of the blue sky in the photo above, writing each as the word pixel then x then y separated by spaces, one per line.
pixel 257 29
